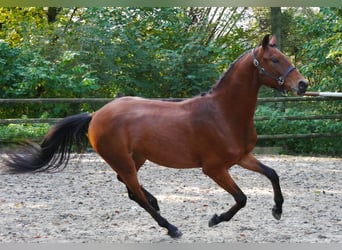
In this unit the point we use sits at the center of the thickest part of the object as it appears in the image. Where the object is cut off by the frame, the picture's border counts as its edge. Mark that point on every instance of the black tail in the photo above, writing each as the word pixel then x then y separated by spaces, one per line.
pixel 55 150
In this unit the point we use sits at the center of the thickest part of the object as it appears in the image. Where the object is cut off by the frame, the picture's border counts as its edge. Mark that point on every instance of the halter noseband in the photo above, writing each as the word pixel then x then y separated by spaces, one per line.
pixel 280 80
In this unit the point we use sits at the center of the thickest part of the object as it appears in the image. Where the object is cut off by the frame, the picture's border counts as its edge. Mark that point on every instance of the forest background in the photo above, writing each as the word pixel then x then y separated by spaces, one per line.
pixel 160 52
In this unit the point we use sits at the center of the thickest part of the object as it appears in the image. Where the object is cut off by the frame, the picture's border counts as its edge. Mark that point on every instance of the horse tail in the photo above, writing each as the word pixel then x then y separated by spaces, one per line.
pixel 54 151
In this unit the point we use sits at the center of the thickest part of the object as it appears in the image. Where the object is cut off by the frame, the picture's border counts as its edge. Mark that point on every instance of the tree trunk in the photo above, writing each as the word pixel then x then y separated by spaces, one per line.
pixel 276 30
pixel 52 14
pixel 276 23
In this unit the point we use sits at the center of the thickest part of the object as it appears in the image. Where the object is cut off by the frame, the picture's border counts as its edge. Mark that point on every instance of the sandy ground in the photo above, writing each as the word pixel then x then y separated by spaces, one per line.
pixel 86 203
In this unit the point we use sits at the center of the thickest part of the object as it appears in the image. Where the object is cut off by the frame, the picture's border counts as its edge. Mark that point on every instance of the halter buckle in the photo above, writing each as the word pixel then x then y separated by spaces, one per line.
pixel 255 62
pixel 281 80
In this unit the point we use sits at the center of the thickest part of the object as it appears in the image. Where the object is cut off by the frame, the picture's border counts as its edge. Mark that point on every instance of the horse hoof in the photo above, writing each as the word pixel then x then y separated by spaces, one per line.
pixel 214 221
pixel 175 234
pixel 276 214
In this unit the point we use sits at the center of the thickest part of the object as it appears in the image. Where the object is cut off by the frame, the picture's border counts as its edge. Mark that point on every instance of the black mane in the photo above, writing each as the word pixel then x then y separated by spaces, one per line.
pixel 226 74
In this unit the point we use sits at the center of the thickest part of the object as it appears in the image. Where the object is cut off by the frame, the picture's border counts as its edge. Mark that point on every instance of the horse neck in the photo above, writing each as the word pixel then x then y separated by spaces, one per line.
pixel 237 91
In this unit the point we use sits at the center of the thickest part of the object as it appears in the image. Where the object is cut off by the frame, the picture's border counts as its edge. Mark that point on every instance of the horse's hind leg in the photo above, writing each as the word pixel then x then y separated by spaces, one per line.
pixel 139 161
pixel 151 199
pixel 133 185
pixel 251 163
pixel 127 172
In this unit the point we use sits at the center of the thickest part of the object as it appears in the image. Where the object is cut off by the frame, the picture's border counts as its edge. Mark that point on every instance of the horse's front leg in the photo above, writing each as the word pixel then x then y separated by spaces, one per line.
pixel 223 179
pixel 251 163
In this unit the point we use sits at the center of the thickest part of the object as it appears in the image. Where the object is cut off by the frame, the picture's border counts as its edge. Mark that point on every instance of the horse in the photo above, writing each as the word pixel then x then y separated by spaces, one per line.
pixel 213 132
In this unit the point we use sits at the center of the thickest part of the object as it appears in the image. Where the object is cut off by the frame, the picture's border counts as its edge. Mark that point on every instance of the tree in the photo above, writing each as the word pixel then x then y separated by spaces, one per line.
pixel 276 24
pixel 321 48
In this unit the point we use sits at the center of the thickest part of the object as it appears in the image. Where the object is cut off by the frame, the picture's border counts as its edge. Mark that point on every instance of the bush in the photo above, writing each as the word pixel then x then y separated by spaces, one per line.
pixel 306 146
pixel 21 132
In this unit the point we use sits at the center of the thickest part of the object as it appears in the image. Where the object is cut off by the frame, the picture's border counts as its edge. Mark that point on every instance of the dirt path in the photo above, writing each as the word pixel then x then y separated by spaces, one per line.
pixel 85 203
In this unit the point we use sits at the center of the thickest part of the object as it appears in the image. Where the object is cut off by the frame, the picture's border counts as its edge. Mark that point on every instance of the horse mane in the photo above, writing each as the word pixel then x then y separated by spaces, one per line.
pixel 226 74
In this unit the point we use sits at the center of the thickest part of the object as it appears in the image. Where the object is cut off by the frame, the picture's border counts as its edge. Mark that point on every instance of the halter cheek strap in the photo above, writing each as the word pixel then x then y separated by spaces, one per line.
pixel 280 80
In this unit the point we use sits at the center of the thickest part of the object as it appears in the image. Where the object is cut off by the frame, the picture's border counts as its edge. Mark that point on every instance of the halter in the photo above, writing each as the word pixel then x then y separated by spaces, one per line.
pixel 280 80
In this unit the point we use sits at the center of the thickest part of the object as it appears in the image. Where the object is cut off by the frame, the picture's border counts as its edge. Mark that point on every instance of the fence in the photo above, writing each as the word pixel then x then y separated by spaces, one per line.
pixel 311 97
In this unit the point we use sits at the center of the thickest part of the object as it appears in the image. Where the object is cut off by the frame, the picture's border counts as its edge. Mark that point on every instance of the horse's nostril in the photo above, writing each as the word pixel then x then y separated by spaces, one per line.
pixel 302 85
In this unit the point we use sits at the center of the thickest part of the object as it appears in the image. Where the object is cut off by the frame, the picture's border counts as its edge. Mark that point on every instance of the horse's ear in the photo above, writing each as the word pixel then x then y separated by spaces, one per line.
pixel 265 41
pixel 273 41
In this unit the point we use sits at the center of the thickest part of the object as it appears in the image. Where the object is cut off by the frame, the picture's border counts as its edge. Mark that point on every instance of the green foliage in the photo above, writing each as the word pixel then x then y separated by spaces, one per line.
pixel 321 51
pixel 19 132
pixel 104 51
pixel 152 52
pixel 11 68
pixel 26 74
pixel 148 52
pixel 307 146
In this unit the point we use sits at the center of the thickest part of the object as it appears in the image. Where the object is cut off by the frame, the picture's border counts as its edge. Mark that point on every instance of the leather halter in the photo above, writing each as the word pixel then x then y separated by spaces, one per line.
pixel 280 80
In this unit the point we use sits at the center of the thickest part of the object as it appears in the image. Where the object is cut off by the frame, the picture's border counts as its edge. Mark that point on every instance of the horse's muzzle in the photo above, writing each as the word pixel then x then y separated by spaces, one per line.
pixel 302 86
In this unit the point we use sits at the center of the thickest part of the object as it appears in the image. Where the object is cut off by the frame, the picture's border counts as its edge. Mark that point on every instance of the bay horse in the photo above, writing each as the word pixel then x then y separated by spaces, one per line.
pixel 213 131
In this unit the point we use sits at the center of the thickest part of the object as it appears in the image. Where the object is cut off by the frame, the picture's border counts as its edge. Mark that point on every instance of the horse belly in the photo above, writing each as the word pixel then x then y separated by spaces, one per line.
pixel 171 156
pixel 167 142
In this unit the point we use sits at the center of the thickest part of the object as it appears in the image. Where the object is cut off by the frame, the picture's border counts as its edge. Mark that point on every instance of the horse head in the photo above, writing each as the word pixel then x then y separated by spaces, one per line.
pixel 275 69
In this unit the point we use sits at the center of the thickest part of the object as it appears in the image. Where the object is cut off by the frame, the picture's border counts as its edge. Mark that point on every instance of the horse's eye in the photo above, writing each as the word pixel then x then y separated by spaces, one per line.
pixel 275 60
